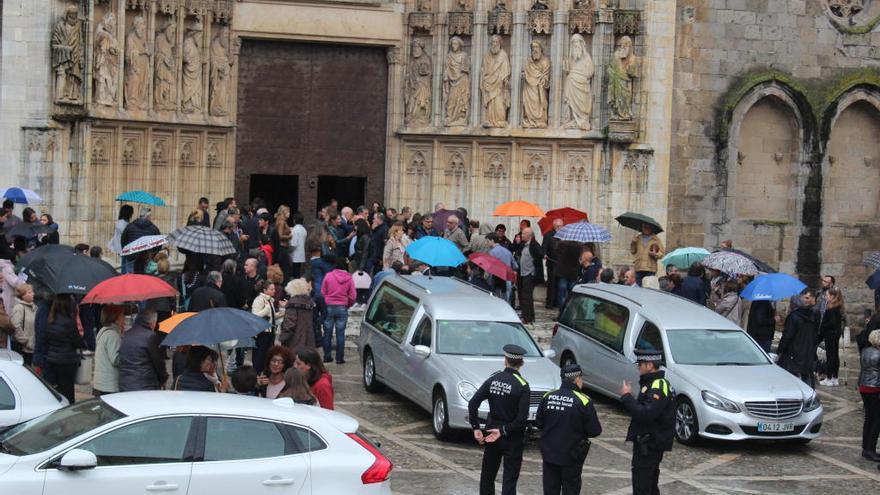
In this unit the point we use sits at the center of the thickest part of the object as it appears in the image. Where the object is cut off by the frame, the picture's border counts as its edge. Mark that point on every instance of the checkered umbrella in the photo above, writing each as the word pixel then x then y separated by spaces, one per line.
pixel 730 263
pixel 583 232
pixel 201 239
pixel 873 259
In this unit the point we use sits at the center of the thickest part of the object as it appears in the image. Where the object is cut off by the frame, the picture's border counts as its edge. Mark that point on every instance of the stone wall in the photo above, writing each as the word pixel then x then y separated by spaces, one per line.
pixel 759 87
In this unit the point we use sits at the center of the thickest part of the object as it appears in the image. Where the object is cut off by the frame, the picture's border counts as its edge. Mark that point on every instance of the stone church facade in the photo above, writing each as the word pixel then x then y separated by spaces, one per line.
pixel 750 120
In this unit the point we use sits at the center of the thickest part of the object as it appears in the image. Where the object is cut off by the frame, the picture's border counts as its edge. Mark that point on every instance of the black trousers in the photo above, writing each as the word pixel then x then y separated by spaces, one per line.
pixel 832 355
pixel 646 472
pixel 65 379
pixel 871 426
pixel 265 340
pixel 526 299
pixel 550 300
pixel 510 449
pixel 565 480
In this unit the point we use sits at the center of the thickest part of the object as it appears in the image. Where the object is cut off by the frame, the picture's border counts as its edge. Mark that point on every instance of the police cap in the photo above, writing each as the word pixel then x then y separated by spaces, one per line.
pixel 649 356
pixel 513 351
pixel 571 371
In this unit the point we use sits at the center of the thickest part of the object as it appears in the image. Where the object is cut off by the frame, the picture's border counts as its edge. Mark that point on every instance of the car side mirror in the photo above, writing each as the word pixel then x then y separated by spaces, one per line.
pixel 549 353
pixel 422 350
pixel 77 460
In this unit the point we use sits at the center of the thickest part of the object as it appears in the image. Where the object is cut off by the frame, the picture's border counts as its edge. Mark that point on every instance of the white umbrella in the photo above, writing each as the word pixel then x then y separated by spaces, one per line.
pixel 144 243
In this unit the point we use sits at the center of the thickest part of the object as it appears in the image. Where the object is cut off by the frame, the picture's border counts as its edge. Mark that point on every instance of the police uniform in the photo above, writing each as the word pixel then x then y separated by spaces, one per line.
pixel 567 420
pixel 508 395
pixel 652 426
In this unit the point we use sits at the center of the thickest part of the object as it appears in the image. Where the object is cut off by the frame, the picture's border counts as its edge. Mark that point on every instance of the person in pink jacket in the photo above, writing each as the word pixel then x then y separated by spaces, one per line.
pixel 339 295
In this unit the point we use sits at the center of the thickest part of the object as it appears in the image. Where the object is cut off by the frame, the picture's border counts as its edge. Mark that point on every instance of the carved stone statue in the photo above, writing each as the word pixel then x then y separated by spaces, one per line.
pixel 67 57
pixel 537 83
pixel 137 64
pixel 221 72
pixel 457 84
pixel 424 5
pixel 495 84
pixel 106 61
pixel 577 94
pixel 621 72
pixel 165 74
pixel 418 86
pixel 191 74
pixel 540 5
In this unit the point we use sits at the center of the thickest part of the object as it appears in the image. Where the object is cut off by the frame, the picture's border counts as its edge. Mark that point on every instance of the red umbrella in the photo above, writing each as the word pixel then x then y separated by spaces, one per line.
pixel 493 266
pixel 129 288
pixel 568 215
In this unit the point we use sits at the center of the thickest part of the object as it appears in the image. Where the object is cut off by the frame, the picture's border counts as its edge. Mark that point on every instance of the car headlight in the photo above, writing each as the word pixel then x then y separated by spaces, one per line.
pixel 466 390
pixel 714 400
pixel 812 403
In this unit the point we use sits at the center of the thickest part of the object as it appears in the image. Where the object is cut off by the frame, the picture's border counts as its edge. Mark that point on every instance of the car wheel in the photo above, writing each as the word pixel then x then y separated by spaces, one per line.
pixel 371 381
pixel 440 416
pixel 686 424
pixel 567 358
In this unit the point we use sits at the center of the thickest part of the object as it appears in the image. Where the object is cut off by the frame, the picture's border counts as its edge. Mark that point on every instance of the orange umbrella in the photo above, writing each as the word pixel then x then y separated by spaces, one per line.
pixel 167 325
pixel 518 209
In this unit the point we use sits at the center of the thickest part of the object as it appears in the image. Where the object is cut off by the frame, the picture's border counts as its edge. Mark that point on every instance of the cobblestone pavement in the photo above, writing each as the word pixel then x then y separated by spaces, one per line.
pixel 424 465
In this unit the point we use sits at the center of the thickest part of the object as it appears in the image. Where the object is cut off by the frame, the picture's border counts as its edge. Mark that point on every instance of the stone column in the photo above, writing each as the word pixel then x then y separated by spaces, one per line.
pixel 603 47
pixel 479 42
pixel 395 121
pixel 440 39
pixel 558 55
pixel 519 48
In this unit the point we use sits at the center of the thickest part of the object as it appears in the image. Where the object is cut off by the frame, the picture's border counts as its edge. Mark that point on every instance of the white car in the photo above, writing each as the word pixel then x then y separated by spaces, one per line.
pixel 23 394
pixel 192 443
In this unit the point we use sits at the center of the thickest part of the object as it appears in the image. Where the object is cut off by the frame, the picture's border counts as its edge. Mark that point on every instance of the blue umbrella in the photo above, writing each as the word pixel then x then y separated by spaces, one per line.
pixel 683 257
pixel 21 196
pixel 873 281
pixel 435 251
pixel 142 197
pixel 583 232
pixel 772 287
pixel 216 325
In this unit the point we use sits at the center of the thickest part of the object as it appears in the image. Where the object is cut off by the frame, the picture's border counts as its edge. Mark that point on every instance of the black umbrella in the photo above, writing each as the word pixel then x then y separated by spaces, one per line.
pixel 760 265
pixel 70 273
pixel 26 230
pixel 634 221
pixel 33 264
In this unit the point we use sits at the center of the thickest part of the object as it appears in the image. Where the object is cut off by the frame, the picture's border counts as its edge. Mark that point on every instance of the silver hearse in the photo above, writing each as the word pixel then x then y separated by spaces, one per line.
pixel 727 387
pixel 435 340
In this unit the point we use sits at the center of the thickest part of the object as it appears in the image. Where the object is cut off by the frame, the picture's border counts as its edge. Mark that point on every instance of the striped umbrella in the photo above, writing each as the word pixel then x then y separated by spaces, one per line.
pixel 144 243
pixel 142 197
pixel 583 232
pixel 730 263
pixel 201 239
pixel 873 259
pixel 21 196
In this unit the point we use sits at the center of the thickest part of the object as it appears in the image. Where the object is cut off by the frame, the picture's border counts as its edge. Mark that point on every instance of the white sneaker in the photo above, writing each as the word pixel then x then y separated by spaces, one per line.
pixel 835 382
pixel 825 383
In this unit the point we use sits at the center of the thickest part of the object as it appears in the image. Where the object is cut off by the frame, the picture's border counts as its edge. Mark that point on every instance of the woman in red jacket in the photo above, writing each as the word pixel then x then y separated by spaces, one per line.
pixel 309 364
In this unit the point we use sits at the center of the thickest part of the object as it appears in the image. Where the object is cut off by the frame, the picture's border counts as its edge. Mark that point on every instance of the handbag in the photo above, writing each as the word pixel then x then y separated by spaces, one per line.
pixel 86 365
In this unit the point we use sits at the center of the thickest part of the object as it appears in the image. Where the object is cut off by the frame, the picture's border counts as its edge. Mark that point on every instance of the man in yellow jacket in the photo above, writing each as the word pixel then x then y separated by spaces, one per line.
pixel 647 249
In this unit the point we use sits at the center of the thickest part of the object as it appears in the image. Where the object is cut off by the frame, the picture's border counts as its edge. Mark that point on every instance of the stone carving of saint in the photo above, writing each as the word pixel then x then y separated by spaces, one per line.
pixel 67 57
pixel 137 64
pixel 457 84
pixel 164 76
pixel 106 61
pixel 537 83
pixel 621 72
pixel 418 86
pixel 577 94
pixel 495 84
pixel 191 74
pixel 221 71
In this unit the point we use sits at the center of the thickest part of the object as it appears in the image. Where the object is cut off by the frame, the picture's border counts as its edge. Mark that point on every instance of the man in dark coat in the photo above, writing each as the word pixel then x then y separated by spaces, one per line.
pixel 762 323
pixel 549 245
pixel 797 347
pixel 206 216
pixel 568 256
pixel 209 295
pixel 141 227
pixel 141 361
pixel 693 286
pixel 531 272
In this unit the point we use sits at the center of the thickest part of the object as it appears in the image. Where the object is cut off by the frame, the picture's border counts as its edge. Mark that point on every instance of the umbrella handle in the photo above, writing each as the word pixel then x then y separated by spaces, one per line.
pixel 222 364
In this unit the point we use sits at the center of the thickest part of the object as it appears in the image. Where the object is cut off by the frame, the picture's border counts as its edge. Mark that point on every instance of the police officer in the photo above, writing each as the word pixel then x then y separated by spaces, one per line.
pixel 567 419
pixel 508 395
pixel 653 421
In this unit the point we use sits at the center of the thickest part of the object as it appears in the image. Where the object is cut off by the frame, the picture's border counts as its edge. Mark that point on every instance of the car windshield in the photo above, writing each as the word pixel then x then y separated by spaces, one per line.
pixel 482 338
pixel 53 429
pixel 714 348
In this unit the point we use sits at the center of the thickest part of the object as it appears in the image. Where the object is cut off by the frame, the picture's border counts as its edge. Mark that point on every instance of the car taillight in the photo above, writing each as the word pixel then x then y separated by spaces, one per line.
pixel 381 467
pixel 555 329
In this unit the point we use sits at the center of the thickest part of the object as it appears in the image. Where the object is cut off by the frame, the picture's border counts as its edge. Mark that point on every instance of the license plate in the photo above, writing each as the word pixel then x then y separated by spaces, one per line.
pixel 775 427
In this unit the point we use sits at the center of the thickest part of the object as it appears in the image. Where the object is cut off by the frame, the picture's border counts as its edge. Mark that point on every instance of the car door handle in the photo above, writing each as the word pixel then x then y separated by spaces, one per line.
pixel 162 486
pixel 277 481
